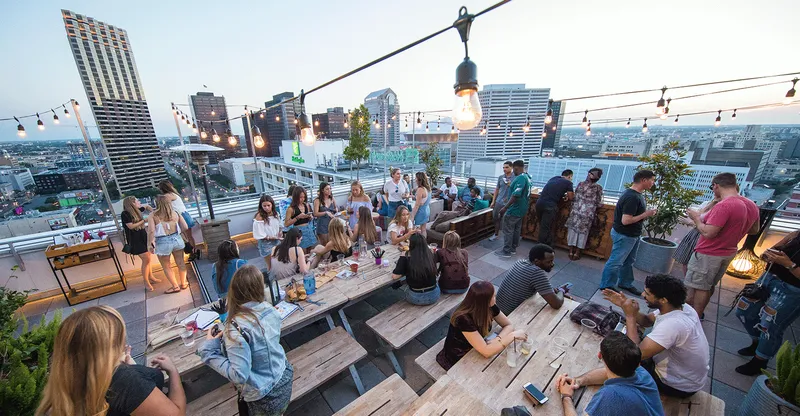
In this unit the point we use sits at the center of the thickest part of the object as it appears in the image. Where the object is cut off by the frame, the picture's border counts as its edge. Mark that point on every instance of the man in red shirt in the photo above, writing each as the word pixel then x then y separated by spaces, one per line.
pixel 720 232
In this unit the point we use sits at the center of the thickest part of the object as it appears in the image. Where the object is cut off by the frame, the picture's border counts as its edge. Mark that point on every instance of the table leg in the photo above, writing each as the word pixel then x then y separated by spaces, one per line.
pixel 392 358
pixel 345 322
pixel 55 274
pixel 352 368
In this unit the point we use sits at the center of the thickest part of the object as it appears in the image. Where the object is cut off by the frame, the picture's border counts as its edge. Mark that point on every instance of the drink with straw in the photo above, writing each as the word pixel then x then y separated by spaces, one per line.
pixel 525 347
pixel 511 354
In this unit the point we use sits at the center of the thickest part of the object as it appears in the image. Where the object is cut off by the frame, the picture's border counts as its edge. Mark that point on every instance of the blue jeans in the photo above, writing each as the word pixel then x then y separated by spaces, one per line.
pixel 422 299
pixel 619 267
pixel 766 321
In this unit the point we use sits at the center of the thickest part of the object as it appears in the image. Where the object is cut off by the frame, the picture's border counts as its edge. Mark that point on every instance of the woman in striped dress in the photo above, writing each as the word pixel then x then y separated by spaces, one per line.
pixel 689 241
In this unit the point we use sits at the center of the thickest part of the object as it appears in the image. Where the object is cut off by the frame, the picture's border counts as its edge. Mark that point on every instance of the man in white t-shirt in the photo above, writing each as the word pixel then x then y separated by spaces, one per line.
pixel 675 352
pixel 448 192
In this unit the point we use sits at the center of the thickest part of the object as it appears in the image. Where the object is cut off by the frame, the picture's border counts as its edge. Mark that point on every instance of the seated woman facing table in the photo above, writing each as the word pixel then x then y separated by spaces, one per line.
pixel 339 243
pixel 288 258
pixel 419 268
pixel 402 227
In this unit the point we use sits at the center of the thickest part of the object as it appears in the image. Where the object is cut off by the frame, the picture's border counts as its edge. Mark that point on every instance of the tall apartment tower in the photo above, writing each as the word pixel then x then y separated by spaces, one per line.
pixel 210 111
pixel 280 122
pixel 336 128
pixel 383 104
pixel 108 71
pixel 506 110
pixel 552 131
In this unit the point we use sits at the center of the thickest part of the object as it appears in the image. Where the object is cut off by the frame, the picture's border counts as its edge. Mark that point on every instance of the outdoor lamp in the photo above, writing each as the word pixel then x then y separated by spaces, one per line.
pixel 215 136
pixel 790 94
pixel 20 129
pixel 467 111
pixel 660 103
pixel 258 141
pixel 548 118
pixel 306 129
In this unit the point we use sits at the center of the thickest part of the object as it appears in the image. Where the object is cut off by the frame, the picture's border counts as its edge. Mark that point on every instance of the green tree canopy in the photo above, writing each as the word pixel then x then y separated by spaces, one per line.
pixel 358 148
pixel 433 163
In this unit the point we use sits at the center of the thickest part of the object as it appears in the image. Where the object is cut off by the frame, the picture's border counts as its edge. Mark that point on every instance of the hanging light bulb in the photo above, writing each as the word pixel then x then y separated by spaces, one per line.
pixel 346 125
pixel 419 120
pixel 426 127
pixel 585 119
pixel 258 141
pixel 664 115
pixel 544 134
pixel 718 120
pixel 548 117
pixel 589 125
pixel 174 109
pixel 660 103
pixel 377 124
pixel 232 140
pixel 39 122
pixel 316 123
pixel 589 131
pixel 261 114
pixel 790 94
pixel 194 127
pixel 394 116
pixel 554 128
pixel 66 113
pixel 361 119
pixel 628 124
pixel 644 126
pixel 306 131
pixel 510 132
pixel 484 130
pixel 215 136
pixel 388 125
pixel 527 125
pixel 438 126
pixel 55 117
pixel 676 118
pixel 295 118
pixel 277 118
pixel 183 118
pixel 733 116
pixel 213 113
pixel 467 111
pixel 77 106
pixel 453 130
pixel 20 129
pixel 498 125
pixel 203 134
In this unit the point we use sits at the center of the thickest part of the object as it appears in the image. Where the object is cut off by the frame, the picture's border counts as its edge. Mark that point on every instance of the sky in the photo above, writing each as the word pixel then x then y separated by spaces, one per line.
pixel 250 50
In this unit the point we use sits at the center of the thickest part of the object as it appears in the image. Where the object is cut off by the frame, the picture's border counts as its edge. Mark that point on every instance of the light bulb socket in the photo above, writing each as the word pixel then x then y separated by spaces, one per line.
pixel 466 76
pixel 303 121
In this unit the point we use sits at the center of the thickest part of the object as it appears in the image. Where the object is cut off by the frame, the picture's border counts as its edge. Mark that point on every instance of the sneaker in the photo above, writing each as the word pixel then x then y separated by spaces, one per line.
pixel 513 252
pixel 492 238
pixel 749 351
pixel 503 254
pixel 752 368
pixel 633 290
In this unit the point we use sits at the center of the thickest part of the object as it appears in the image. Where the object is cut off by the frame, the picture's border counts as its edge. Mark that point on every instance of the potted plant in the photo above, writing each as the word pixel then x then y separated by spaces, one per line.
pixel 777 394
pixel 670 200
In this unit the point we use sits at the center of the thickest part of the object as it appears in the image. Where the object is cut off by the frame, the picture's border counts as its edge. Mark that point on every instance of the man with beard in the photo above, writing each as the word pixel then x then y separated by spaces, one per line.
pixel 528 277
pixel 675 352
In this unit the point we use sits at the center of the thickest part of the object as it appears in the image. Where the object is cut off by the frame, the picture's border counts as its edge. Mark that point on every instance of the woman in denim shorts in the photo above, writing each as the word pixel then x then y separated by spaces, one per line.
pixel 178 206
pixel 267 228
pixel 164 228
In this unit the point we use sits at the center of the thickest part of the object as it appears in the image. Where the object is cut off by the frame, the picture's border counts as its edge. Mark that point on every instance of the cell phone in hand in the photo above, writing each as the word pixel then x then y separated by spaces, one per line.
pixel 565 287
pixel 215 330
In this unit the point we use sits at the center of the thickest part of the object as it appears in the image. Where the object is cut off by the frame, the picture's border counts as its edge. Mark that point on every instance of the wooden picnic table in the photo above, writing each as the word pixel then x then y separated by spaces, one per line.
pixel 499 386
pixel 447 397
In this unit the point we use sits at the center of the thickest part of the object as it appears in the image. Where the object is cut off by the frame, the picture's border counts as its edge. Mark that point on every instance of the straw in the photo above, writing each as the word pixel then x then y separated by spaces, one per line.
pixel 559 356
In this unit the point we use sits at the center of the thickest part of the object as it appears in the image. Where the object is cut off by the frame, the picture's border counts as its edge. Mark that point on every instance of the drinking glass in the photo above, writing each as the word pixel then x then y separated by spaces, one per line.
pixel 587 323
pixel 340 259
pixel 511 355
pixel 433 247
pixel 556 356
pixel 187 335
pixel 356 254
pixel 169 317
pixel 525 347
pixel 561 343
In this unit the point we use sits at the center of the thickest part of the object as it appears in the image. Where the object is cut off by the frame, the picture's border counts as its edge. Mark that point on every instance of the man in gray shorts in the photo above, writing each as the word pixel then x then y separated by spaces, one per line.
pixel 720 232
pixel 501 194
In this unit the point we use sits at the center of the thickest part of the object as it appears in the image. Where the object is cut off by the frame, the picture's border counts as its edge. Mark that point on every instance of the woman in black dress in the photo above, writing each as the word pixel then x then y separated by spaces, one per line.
pixel 136 236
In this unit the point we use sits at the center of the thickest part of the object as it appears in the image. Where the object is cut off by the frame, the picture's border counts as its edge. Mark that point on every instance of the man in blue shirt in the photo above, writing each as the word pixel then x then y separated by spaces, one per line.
pixel 628 389
pixel 556 189
pixel 464 196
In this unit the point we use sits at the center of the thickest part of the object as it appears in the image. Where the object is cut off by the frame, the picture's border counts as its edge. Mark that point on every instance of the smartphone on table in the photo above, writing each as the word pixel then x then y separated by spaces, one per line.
pixel 535 394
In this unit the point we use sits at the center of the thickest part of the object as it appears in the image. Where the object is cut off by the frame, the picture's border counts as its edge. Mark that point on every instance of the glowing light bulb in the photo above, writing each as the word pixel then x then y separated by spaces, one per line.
pixel 663 116
pixel 39 122
pixel 306 130
pixel 20 129
pixel 258 141
pixel 467 111
pixel 589 131
pixel 347 125
pixel 644 126
pixel 215 136
pixel 77 106
pixel 628 124
pixel 718 120
pixel 453 130
pixel 261 114
pixel 790 94
pixel 660 103
pixel 203 134
pixel 213 113
pixel 55 118
pixel 548 117
pixel 742 265
pixel 510 133
pixel 277 118
pixel 194 128
pixel 316 123
pixel 585 119
pixel 544 134
pixel 232 140
pixel 66 113
pixel 554 128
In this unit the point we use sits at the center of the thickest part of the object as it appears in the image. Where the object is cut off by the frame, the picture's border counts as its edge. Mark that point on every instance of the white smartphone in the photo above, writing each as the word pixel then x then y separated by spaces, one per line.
pixel 535 394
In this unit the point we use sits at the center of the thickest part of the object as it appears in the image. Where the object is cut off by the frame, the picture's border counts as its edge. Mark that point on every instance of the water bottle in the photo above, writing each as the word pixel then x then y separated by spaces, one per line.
pixel 362 246
pixel 310 283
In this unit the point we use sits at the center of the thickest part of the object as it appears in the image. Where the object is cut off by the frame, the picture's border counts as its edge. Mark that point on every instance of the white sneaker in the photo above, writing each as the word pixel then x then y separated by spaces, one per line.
pixel 492 238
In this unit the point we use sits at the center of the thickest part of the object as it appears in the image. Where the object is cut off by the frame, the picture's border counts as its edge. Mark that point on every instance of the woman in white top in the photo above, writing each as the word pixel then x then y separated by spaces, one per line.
pixel 396 190
pixel 401 228
pixel 267 228
pixel 179 207
pixel 164 227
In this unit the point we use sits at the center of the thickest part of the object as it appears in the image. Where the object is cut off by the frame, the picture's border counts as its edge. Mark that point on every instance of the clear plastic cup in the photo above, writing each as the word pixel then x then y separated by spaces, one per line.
pixel 561 343
pixel 525 347
pixel 511 356
pixel 169 317
pixel 556 356
pixel 588 324
pixel 187 335
pixel 340 259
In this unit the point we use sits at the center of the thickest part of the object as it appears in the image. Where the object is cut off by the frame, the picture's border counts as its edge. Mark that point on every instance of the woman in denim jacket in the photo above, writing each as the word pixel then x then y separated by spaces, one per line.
pixel 248 351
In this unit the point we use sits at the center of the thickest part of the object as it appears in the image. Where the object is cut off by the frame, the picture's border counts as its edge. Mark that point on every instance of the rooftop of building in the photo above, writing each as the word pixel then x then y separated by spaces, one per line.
pixel 62 171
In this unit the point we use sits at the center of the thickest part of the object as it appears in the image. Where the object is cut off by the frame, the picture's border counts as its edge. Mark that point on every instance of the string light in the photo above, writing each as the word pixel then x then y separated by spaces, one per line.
pixel 544 134
pixel 77 106
pixel 527 125
pixel 589 126
pixel 39 122
pixel 510 132
pixel 498 125
pixel 296 121
pixel 733 116
pixel 718 120
pixel 55 117
pixel 388 125
pixel 419 121
pixel 585 119
pixel 377 124
pixel 213 113
pixel 666 110
pixel 203 134
pixel 258 141
pixel 467 111
pixel 644 126
pixel 589 131
pixel 232 140
pixel 660 103
pixel 66 113
pixel 548 118
pixel 347 125
pixel 306 131
pixel 194 127
pixel 790 94
pixel 628 124
pixel 20 129
pixel 453 130
pixel 439 123
pixel 484 130
pixel 214 135
pixel 426 127
pixel 554 128
pixel 261 114
pixel 676 118
pixel 316 123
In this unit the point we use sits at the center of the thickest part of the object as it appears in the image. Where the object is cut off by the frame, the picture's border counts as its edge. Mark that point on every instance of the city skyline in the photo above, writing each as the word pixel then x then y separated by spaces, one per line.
pixel 424 75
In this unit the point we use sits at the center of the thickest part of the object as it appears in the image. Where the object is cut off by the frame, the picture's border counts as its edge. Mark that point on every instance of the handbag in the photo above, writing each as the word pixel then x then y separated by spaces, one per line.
pixel 240 403
pixel 126 248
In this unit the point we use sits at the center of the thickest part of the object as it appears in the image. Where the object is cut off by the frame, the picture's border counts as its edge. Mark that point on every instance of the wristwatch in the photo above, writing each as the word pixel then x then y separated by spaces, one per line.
pixel 793 266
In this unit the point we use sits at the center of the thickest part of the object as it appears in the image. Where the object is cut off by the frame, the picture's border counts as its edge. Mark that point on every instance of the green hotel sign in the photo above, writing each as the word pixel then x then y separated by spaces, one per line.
pixel 296 153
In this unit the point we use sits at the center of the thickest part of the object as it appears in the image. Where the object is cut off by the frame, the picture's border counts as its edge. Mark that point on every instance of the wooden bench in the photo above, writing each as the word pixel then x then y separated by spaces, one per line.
pixel 401 322
pixel 389 398
pixel 314 362
pixel 699 404
pixel 427 361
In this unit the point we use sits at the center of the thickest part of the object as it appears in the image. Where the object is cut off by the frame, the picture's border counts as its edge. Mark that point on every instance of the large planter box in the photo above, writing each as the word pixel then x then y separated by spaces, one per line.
pixel 761 401
pixel 214 233
pixel 654 258
pixel 599 243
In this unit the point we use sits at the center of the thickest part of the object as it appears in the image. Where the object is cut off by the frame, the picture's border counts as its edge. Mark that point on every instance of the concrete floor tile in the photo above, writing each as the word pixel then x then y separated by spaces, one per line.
pixel 726 297
pixel 732 396
pixel 725 364
pixel 485 271
pixel 586 273
pixel 731 340
pixel 500 262
pixel 435 333
pixel 157 305
pixel 730 321
pixel 476 251
pixel 361 311
pixel 136 331
pixel 710 328
pixel 415 376
pixel 129 296
pixel 734 284
pixel 137 351
pixel 385 297
pixel 711 312
pixel 580 287
pixel 316 406
pixel 133 311
pixel 343 392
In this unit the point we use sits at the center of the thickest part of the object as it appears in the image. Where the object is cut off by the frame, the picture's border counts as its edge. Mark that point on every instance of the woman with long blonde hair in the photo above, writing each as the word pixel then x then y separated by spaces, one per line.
pixel 253 358
pixel 164 230
pixel 453 264
pixel 422 205
pixel 134 229
pixel 92 372
pixel 357 199
pixel 365 227
pixel 402 227
pixel 339 242
pixel 168 189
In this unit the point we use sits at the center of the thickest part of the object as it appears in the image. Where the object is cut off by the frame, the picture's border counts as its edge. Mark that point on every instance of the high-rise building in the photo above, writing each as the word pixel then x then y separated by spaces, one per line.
pixel 210 111
pixel 506 110
pixel 321 127
pixel 383 107
pixel 104 58
pixel 336 128
pixel 552 131
pixel 756 159
pixel 280 122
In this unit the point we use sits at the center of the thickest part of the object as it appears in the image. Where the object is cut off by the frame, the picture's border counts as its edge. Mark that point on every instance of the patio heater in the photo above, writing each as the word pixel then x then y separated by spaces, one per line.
pixel 214 231
pixel 746 265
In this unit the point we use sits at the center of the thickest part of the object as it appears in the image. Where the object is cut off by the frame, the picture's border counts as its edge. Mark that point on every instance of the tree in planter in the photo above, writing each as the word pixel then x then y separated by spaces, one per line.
pixel 358 148
pixel 433 163
pixel 667 196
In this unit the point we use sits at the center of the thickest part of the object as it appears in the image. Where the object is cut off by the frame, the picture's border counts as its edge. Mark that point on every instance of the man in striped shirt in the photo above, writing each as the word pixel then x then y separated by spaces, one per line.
pixel 528 277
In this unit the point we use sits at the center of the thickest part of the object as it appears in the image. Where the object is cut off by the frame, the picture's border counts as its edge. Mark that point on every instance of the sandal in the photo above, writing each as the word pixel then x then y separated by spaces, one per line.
pixel 172 290
pixel 185 286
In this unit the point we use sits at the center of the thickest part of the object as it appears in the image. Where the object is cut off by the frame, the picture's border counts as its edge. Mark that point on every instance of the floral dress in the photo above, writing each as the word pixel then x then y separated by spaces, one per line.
pixel 588 197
